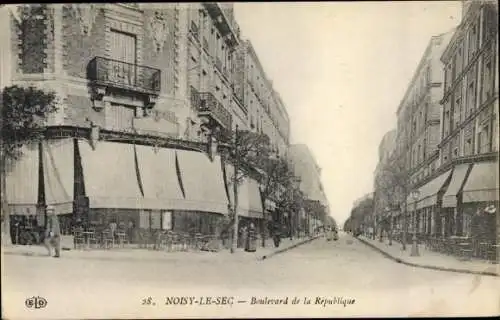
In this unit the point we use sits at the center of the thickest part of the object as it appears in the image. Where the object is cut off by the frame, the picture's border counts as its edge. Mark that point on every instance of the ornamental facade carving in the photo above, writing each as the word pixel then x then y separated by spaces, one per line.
pixel 158 29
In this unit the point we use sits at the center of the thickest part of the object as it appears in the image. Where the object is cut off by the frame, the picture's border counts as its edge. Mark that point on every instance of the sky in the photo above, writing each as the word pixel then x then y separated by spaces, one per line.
pixel 341 69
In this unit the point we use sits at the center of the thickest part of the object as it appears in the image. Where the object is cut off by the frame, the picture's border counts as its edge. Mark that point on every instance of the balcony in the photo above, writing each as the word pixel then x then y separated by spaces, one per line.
pixel 121 75
pixel 207 105
pixel 222 22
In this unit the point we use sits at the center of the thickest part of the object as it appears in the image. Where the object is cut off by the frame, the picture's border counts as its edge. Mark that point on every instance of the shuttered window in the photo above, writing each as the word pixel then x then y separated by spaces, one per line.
pixel 119 117
pixel 123 52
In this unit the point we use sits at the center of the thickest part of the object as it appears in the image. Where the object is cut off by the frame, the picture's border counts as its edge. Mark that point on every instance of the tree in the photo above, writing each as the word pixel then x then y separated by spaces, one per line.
pixel 392 186
pixel 254 155
pixel 23 111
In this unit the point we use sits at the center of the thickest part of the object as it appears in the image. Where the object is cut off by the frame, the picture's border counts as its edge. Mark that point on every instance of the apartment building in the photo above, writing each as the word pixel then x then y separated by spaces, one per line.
pixel 213 38
pixel 264 110
pixel 384 196
pixel 308 171
pixel 469 132
pixel 129 140
pixel 418 123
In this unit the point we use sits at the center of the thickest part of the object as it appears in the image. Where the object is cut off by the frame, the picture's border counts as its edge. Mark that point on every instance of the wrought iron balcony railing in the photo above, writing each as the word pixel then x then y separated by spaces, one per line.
pixel 207 103
pixel 124 75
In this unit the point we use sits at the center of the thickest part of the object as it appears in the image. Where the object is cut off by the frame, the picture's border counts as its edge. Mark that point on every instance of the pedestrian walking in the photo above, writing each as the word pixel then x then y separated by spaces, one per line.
pixel 52 233
pixel 251 241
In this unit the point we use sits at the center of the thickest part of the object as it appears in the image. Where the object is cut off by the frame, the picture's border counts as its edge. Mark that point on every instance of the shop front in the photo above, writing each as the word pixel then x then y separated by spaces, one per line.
pixel 43 175
pixel 452 201
pixel 148 190
pixel 480 203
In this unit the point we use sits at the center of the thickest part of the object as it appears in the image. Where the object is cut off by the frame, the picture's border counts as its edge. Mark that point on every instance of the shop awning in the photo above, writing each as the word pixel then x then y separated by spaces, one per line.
pixel 482 183
pixel 158 176
pixel 429 192
pixel 249 199
pixel 58 174
pixel 203 182
pixel 457 180
pixel 110 175
pixel 22 181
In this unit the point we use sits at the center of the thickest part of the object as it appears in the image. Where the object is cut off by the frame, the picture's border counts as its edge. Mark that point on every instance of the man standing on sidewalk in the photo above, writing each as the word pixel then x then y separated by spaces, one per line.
pixel 52 233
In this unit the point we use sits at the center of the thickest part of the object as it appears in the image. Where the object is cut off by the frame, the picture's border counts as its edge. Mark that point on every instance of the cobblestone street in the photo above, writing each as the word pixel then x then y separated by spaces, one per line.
pixel 318 269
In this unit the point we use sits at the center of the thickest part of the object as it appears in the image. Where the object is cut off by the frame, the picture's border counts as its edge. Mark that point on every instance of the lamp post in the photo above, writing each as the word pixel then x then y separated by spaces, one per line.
pixel 234 242
pixel 415 194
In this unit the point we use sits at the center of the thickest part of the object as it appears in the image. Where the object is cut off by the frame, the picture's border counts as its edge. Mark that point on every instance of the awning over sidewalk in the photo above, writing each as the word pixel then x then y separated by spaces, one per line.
pixel 22 181
pixel 482 183
pixel 110 175
pixel 249 199
pixel 457 180
pixel 158 175
pixel 203 182
pixel 429 192
pixel 58 174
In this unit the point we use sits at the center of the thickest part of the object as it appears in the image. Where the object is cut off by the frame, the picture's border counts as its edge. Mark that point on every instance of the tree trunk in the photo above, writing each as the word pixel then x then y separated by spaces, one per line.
pixel 5 214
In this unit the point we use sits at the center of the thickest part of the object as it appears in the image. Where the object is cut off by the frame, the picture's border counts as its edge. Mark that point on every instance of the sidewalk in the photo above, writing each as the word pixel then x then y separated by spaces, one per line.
pixel 128 254
pixel 431 260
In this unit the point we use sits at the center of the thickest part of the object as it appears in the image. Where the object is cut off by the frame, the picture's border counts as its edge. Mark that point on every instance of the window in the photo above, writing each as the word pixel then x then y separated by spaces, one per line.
pixel 473 41
pixel 119 117
pixel 448 79
pixel 468 147
pixel 457 109
pixel 471 91
pixel 459 59
pixel 484 140
pixel 488 77
pixel 446 124
pixel 123 51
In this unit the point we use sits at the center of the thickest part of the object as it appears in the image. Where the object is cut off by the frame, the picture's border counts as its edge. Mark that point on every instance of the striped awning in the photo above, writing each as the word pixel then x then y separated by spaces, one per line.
pixel 22 181
pixel 482 185
pixel 110 175
pixel 159 179
pixel 457 180
pixel 203 182
pixel 58 174
pixel 249 199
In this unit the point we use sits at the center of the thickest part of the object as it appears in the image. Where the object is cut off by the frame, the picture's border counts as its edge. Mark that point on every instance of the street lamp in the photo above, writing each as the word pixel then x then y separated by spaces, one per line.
pixel 415 194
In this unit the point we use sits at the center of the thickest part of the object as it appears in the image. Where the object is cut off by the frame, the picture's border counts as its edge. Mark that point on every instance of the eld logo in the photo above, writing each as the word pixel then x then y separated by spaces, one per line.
pixel 36 303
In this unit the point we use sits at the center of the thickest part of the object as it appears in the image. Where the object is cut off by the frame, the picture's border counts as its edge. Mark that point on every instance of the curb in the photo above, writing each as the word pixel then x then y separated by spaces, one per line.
pixel 425 266
pixel 272 254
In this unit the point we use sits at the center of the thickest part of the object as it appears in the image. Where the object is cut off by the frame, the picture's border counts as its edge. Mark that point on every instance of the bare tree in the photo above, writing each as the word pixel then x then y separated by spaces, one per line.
pixel 392 187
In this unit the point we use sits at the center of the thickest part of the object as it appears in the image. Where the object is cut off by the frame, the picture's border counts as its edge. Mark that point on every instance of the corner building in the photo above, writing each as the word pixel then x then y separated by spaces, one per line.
pixel 469 132
pixel 130 140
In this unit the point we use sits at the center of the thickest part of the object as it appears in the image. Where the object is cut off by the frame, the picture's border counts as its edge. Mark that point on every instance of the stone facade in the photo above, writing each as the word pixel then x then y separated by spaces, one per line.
pixel 418 114
pixel 263 106
pixel 470 99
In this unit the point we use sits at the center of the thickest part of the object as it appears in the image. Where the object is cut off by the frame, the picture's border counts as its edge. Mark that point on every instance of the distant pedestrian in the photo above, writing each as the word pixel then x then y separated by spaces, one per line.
pixel 52 233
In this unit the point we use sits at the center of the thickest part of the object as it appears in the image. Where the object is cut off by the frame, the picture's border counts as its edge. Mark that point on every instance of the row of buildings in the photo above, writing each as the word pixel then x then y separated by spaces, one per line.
pixel 440 165
pixel 144 91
